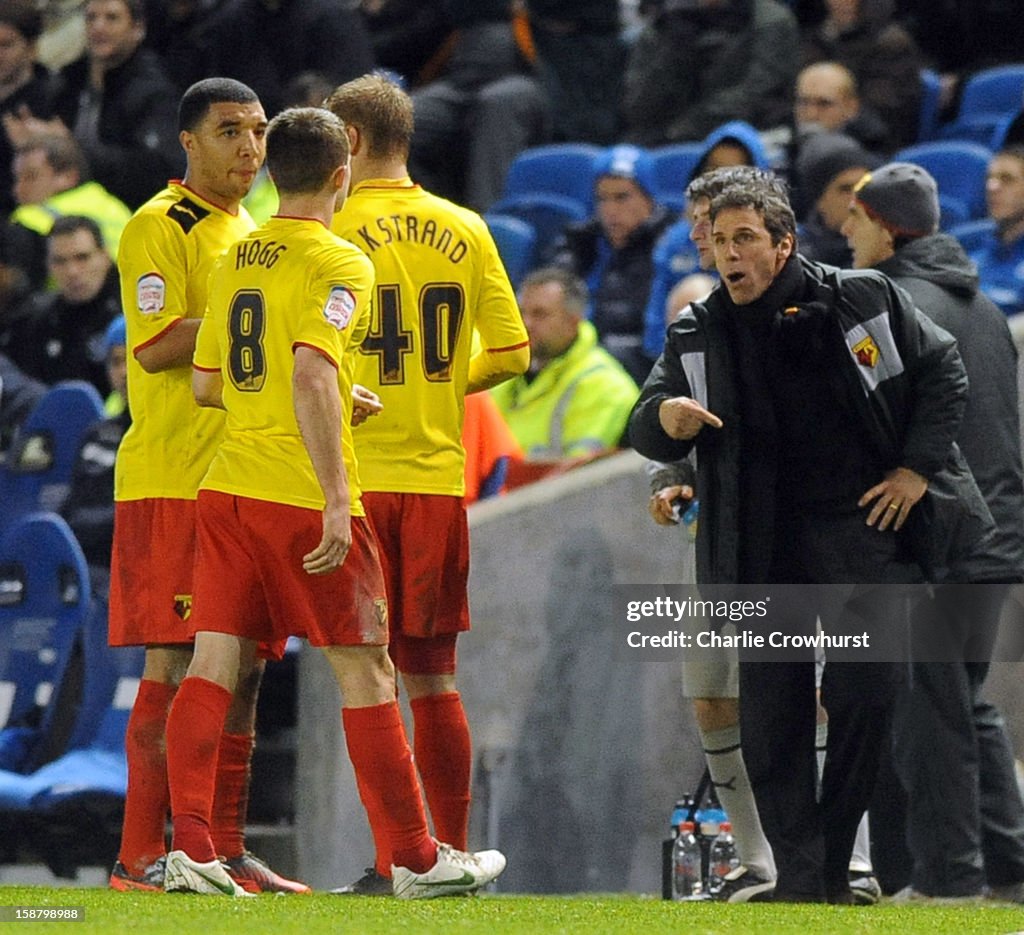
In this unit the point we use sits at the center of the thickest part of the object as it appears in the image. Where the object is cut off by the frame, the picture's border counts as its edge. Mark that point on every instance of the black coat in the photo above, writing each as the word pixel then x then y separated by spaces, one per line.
pixel 52 339
pixel 943 283
pixel 138 148
pixel 903 374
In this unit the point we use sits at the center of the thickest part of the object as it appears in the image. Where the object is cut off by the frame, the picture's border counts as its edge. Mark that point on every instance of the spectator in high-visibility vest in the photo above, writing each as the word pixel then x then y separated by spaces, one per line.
pixel 52 180
pixel 574 400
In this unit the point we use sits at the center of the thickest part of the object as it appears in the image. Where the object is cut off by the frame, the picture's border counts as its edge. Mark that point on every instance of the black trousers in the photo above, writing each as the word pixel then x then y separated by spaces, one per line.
pixel 964 818
pixel 812 836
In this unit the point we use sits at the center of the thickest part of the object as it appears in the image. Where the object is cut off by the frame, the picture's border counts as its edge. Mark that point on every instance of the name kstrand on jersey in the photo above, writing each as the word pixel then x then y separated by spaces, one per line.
pixel 400 228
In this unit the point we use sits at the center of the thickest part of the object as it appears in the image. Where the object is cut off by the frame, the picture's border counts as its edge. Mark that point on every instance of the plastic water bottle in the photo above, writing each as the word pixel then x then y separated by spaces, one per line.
pixel 723 858
pixel 690 518
pixel 686 877
pixel 680 814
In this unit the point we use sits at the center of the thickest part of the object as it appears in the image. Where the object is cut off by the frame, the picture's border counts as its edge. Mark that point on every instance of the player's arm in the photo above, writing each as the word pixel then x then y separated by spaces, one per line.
pixel 171 349
pixel 506 346
pixel 492 366
pixel 318 409
pixel 208 388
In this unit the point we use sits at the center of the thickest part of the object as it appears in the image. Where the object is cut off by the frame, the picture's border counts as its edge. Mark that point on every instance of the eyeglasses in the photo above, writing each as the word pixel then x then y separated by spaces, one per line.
pixel 819 102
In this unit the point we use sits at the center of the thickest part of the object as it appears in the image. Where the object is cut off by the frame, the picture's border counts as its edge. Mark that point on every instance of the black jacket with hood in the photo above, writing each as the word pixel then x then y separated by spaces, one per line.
pixel 944 285
pixel 903 375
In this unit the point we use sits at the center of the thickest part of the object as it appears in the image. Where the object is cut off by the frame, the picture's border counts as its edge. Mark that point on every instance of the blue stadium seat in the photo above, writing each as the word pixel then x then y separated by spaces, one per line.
pixel 931 102
pixel 998 90
pixel 673 166
pixel 517 244
pixel 564 169
pixel 93 770
pixel 45 598
pixel 491 485
pixel 959 169
pixel 952 211
pixel 548 214
pixel 36 473
pixel 973 235
pixel 990 100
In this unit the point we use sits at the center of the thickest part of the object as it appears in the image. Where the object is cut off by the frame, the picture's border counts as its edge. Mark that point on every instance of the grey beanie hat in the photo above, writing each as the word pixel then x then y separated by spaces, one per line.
pixel 901 197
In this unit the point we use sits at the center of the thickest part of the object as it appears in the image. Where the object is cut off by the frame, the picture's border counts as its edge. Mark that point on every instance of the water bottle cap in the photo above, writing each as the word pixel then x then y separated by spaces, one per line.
pixel 725 826
pixel 686 826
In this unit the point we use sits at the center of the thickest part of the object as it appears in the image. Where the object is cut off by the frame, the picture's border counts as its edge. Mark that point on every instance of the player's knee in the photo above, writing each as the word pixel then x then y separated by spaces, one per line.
pixel 716 713
pixel 365 674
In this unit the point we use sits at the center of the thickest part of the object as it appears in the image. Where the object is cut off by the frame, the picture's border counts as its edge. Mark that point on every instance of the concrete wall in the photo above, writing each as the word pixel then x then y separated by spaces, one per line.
pixel 581 748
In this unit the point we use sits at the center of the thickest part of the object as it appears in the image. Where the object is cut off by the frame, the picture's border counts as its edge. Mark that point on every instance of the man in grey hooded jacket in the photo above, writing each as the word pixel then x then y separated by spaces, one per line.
pixel 965 820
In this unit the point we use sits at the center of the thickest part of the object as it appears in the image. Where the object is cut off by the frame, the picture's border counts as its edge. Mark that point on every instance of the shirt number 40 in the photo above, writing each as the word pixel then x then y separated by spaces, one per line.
pixel 441 312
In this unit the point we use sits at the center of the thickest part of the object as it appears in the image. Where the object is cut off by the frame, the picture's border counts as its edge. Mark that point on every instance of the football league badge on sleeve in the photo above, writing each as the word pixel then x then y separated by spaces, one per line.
pixel 340 305
pixel 150 293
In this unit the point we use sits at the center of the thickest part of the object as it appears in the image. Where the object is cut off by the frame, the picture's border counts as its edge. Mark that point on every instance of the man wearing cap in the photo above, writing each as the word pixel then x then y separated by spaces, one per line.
pixel 828 167
pixel 822 408
pixel 947 737
pixel 612 252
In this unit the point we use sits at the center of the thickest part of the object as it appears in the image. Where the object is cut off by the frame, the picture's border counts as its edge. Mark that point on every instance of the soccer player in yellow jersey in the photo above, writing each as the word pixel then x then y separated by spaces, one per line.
pixel 166 253
pixel 439 279
pixel 283 544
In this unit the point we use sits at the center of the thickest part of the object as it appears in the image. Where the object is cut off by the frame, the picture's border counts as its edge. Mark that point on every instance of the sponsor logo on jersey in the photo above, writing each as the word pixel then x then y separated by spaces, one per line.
pixel 866 352
pixel 187 213
pixel 340 305
pixel 183 605
pixel 151 293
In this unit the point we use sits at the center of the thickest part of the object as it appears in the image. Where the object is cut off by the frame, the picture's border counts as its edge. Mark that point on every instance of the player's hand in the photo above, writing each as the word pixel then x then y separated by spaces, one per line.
pixel 894 498
pixel 365 403
pixel 682 418
pixel 334 543
pixel 662 505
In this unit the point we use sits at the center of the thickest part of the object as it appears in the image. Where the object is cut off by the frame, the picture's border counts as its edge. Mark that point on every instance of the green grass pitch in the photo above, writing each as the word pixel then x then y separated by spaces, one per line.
pixel 109 913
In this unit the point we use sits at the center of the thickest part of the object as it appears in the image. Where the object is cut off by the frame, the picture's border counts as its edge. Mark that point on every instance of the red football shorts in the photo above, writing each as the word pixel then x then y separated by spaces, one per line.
pixel 151 572
pixel 424 552
pixel 249 579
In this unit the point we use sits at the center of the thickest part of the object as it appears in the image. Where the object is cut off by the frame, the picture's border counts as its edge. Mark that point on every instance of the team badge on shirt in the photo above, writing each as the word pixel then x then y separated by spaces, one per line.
pixel 866 352
pixel 340 305
pixel 150 293
pixel 183 605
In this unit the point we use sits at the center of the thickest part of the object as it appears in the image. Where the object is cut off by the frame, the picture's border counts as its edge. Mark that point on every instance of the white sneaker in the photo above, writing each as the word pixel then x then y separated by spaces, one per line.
pixel 185 875
pixel 455 872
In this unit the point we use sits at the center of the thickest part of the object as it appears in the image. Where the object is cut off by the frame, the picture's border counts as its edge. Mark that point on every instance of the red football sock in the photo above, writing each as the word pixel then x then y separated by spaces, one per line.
pixel 145 806
pixel 194 729
pixel 381 841
pixel 231 794
pixel 380 756
pixel 444 758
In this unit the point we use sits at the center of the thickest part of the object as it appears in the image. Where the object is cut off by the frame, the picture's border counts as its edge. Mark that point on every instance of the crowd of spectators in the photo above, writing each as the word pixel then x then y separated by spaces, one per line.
pixel 814 89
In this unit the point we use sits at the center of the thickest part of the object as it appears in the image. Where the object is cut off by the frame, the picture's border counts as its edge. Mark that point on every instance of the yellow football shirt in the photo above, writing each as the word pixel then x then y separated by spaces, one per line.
pixel 166 253
pixel 290 282
pixel 439 277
